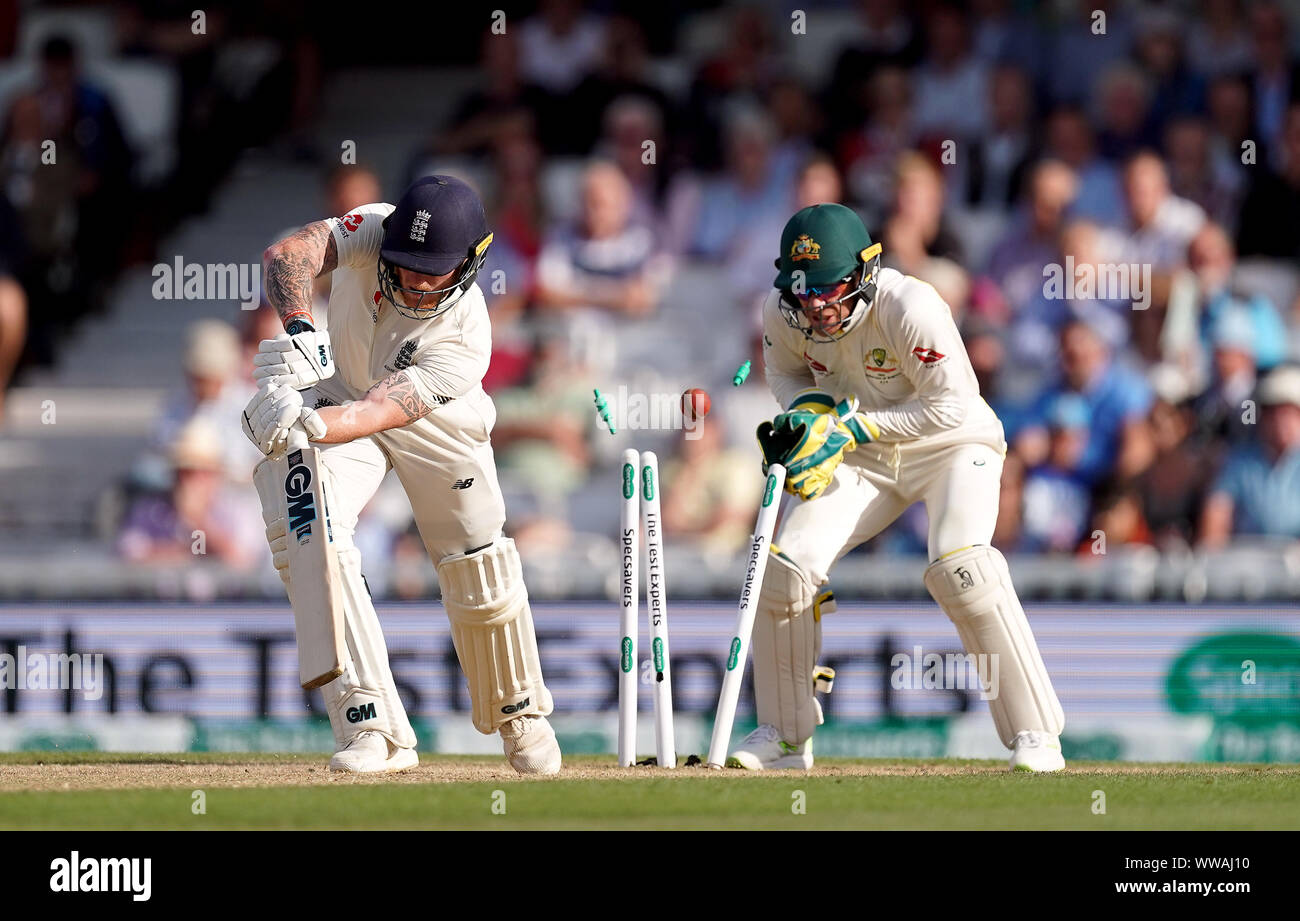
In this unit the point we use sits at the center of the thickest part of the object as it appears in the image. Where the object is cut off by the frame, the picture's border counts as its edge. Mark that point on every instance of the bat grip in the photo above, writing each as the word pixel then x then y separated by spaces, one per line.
pixel 297 438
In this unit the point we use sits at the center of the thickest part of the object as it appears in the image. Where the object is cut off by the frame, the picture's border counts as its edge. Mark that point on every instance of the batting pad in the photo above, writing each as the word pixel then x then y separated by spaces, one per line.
pixel 787 641
pixel 273 517
pixel 492 629
pixel 364 697
pixel 973 586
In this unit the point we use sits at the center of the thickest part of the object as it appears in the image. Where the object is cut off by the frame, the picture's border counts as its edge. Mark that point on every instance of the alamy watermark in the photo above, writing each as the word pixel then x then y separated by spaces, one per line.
pixel 657 411
pixel 208 281
pixel 1107 281
pixel 61 671
pixel 947 671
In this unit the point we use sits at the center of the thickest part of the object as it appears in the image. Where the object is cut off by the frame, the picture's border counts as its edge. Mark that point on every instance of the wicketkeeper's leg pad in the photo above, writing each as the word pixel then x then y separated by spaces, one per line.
pixel 492 629
pixel 973 586
pixel 786 643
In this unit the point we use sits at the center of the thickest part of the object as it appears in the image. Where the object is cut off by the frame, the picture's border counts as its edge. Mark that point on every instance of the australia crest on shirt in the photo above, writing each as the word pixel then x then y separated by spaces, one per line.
pixel 880 364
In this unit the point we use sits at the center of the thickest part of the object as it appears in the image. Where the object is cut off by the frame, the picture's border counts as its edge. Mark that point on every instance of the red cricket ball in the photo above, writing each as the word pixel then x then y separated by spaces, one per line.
pixel 695 404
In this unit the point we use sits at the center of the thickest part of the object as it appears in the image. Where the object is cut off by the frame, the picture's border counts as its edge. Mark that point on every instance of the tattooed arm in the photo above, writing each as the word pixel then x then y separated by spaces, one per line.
pixel 290 267
pixel 391 403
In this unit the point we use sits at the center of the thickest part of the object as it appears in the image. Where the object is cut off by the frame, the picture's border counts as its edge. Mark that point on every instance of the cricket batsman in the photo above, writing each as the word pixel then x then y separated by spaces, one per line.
pixel 392 380
pixel 883 410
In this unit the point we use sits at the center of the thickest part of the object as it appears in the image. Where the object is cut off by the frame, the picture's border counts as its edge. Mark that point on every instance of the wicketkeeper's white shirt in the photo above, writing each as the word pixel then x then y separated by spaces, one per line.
pixel 904 361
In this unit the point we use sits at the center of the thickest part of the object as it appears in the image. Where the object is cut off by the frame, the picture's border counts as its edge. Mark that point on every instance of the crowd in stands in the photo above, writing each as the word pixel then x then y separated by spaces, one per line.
pixel 982 143
pixel 985 143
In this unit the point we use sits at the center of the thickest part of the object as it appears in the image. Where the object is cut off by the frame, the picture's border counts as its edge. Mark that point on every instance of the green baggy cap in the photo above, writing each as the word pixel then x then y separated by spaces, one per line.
pixel 826 243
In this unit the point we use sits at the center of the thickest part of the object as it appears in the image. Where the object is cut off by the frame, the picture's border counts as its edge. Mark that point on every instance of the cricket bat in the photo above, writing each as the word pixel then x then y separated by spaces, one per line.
pixel 315 588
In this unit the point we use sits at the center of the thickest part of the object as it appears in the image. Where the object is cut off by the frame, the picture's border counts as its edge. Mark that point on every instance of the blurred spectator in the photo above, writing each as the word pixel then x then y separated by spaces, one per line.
pixel 1221 407
pixel 870 153
pixel 732 80
pixel 1070 139
pixel 217 390
pixel 629 122
pixel 1229 124
pixel 1033 238
pixel 1258 490
pixel 918 206
pixel 1092 250
pixel 82 121
pixel 1056 497
pixel 604 264
pixel 1078 53
pixel 1175 89
pixel 1122 110
pixel 542 440
pixel 504 94
pixel 200 515
pixel 998 159
pixel 885 39
pixel 1003 35
pixel 623 74
pixel 1172 486
pixel 751 191
pixel 1268 225
pixel 1218 42
pixel 348 187
pixel 560 45
pixel 1117 513
pixel 706 500
pixel 1205 293
pixel 13 331
pixel 952 92
pixel 796 120
pixel 904 248
pixel 1275 81
pixel 1160 224
pixel 1007 531
pixel 1117 401
pixel 1195 175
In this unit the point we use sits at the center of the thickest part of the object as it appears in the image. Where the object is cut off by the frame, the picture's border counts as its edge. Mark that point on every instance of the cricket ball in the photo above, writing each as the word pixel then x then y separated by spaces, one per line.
pixel 695 404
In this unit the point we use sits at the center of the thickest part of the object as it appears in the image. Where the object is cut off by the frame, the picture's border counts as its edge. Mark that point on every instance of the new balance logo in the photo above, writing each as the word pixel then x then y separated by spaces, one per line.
pixel 463 484
pixel 363 712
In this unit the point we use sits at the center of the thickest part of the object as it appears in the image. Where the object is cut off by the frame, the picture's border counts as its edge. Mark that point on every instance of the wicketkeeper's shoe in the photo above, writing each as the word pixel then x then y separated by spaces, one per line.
pixel 530 745
pixel 765 750
pixel 1039 752
pixel 371 753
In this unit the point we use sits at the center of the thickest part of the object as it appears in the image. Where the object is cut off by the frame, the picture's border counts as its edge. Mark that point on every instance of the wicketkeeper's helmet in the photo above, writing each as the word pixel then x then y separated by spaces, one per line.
pixel 825 247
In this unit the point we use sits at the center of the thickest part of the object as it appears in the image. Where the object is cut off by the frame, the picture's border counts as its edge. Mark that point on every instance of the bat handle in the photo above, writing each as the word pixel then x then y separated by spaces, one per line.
pixel 297 439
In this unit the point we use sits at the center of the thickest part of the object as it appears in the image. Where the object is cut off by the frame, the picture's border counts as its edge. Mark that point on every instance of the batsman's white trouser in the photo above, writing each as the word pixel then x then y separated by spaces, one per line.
pixel 445 464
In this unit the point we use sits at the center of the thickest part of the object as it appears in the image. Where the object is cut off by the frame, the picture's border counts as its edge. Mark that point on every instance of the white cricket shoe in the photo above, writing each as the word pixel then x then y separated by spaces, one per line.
pixel 371 753
pixel 1039 752
pixel 530 745
pixel 765 750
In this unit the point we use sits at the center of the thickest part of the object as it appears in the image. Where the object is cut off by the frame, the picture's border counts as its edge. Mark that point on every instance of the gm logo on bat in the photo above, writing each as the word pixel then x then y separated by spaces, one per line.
pixel 298 498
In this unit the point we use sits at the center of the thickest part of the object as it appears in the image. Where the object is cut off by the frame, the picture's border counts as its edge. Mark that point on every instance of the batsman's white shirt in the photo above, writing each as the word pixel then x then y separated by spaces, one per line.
pixel 444 460
pixel 940 442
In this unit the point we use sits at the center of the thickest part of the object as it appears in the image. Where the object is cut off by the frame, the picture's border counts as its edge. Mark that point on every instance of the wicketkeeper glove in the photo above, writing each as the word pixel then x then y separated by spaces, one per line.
pixel 810 445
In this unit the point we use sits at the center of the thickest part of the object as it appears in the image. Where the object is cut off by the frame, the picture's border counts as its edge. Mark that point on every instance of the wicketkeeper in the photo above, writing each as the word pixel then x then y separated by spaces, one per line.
pixel 392 380
pixel 883 410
